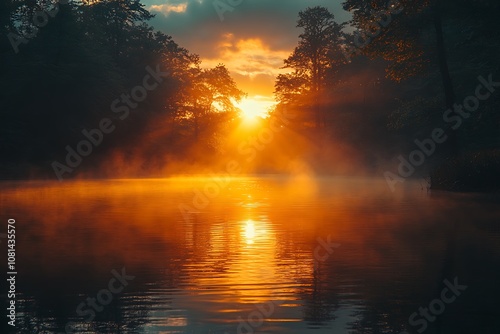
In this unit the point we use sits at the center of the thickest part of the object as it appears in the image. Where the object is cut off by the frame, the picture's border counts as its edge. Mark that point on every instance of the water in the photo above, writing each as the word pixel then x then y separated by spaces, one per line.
pixel 249 258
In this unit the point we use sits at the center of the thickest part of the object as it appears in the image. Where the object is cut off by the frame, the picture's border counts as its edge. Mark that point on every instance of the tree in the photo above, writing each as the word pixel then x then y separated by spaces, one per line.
pixel 211 93
pixel 416 38
pixel 315 60
pixel 76 64
pixel 117 24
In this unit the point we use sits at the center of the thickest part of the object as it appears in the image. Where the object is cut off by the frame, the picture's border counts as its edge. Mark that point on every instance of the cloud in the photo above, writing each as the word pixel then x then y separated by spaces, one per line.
pixel 168 8
pixel 253 65
pixel 247 56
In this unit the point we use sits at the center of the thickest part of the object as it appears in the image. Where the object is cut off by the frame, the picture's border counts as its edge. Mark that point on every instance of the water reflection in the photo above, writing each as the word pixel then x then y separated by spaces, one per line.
pixel 252 247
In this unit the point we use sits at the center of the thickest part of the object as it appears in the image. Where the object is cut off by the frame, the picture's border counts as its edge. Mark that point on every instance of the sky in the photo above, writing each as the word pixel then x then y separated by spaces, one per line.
pixel 250 37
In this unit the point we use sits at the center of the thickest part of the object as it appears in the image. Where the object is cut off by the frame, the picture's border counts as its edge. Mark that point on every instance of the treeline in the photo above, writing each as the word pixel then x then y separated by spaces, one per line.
pixel 361 93
pixel 437 56
pixel 66 66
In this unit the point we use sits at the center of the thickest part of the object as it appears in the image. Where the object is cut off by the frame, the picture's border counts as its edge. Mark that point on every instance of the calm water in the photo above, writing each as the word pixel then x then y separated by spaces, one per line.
pixel 250 260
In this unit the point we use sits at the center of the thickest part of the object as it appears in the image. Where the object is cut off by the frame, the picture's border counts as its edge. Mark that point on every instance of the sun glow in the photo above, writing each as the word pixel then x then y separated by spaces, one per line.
pixel 253 108
pixel 249 232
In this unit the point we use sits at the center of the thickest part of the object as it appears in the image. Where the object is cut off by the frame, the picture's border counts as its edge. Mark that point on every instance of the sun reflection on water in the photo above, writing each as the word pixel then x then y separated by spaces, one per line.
pixel 249 232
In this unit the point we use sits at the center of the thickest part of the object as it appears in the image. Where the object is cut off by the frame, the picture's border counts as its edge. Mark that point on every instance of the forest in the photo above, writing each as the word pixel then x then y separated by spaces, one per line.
pixel 405 89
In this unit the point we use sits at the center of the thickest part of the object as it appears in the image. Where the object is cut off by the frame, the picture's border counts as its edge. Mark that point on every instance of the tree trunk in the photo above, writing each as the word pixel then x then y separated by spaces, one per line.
pixel 315 84
pixel 449 91
pixel 196 115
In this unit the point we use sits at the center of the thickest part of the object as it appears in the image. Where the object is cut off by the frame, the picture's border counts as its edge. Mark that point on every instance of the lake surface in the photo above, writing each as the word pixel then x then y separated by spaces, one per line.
pixel 253 256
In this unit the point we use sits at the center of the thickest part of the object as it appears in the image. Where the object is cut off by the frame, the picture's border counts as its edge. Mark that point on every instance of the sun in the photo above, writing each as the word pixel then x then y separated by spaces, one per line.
pixel 252 109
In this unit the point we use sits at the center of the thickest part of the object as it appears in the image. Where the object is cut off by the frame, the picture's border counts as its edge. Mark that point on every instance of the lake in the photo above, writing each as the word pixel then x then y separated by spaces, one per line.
pixel 252 255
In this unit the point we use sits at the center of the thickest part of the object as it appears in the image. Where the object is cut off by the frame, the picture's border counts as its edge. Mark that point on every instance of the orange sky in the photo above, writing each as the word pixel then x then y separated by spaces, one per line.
pixel 251 39
pixel 253 65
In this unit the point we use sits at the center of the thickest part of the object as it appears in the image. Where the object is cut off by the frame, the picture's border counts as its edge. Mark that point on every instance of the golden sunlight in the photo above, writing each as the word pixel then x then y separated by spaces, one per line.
pixel 249 231
pixel 253 107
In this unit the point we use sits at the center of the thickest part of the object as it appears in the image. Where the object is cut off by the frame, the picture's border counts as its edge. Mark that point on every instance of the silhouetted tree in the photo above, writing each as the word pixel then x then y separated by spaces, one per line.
pixel 117 24
pixel 211 93
pixel 84 57
pixel 417 38
pixel 314 61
